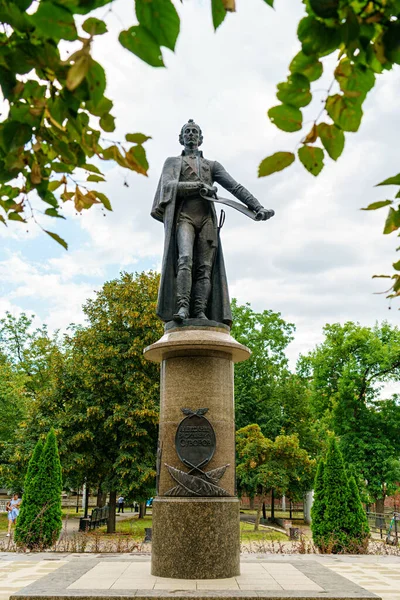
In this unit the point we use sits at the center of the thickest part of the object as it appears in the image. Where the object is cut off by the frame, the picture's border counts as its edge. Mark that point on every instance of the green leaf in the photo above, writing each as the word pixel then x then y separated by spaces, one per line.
pixel 54 185
pixel 286 117
pixel 57 238
pixel 107 123
pixel 355 80
pixel 270 2
pixel 351 30
pixel 55 21
pixel 391 41
pixel 274 163
pixel 326 9
pixel 96 79
pixel 52 212
pixel 160 19
pixel 379 204
pixel 14 135
pixel 101 108
pixel 316 38
pixel 309 66
pixel 312 158
pixel 91 168
pixel 137 138
pixel 94 26
pixel 332 139
pixel 103 199
pixel 295 91
pixel 218 12
pixel 60 167
pixel 78 72
pixel 396 265
pixel 345 112
pixel 391 181
pixel 8 82
pixel 139 41
pixel 393 221
pixel 95 178
pixel 136 159
pixel 15 216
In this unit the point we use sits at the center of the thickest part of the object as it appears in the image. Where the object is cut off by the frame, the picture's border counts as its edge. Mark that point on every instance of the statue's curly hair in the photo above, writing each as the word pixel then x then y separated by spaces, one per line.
pixel 190 122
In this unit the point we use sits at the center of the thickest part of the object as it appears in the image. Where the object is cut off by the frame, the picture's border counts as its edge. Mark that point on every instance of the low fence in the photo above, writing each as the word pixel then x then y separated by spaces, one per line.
pixel 386 525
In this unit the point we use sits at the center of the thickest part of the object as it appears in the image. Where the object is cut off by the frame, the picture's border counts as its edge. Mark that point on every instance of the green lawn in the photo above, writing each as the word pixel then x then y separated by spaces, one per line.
pixel 247 534
pixel 134 527
pixel 3 522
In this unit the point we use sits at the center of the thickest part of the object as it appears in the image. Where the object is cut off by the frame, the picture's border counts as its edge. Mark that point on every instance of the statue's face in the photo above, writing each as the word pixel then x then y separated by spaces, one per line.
pixel 191 136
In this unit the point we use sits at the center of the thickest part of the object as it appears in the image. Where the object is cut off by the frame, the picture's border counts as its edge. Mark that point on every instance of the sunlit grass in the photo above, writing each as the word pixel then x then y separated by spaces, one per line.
pixel 247 534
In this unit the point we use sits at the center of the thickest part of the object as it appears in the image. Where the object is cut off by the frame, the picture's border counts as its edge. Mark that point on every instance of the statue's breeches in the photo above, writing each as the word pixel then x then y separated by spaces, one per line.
pixel 196 251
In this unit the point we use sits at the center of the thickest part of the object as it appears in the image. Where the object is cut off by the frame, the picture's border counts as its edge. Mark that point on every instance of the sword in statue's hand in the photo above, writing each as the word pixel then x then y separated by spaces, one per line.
pixel 262 215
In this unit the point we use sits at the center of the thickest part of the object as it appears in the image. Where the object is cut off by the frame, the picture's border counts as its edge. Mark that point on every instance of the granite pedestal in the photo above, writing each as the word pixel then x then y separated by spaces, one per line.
pixel 196 537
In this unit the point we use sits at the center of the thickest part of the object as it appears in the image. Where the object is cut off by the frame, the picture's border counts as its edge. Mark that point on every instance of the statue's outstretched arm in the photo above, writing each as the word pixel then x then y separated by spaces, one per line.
pixel 222 177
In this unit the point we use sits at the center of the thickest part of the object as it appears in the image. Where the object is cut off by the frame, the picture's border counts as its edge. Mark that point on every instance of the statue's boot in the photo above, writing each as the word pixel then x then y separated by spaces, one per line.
pixel 183 288
pixel 201 293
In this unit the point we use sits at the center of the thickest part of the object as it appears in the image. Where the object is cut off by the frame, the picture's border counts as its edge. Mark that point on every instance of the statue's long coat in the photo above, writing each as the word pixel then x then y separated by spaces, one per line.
pixel 166 209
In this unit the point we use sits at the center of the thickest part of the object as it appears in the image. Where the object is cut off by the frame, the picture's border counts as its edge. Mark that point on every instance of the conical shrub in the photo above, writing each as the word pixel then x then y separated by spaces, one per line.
pixel 42 524
pixel 26 515
pixel 318 508
pixel 336 491
pixel 358 533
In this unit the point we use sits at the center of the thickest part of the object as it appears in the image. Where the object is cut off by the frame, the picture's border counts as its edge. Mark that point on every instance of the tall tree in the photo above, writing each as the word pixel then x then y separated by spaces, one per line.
pixel 267 335
pixel 32 358
pixel 347 372
pixel 13 411
pixel 111 393
pixel 264 465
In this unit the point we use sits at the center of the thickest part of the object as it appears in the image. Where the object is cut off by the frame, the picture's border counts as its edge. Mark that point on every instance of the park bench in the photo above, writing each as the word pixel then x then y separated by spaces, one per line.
pixel 98 517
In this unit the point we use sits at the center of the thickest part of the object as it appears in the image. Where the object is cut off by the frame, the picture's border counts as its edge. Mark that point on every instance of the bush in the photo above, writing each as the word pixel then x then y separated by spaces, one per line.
pixel 336 491
pixel 42 522
pixel 318 507
pixel 25 515
pixel 358 533
pixel 339 523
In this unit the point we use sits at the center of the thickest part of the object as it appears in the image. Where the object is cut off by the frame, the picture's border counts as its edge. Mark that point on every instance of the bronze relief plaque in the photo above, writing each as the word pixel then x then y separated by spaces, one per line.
pixel 195 440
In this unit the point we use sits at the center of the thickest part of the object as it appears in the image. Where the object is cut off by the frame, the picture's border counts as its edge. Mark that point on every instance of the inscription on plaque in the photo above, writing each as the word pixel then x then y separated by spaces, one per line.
pixel 195 440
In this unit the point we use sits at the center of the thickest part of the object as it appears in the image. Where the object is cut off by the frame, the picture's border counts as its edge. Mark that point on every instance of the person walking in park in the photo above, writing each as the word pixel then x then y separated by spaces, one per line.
pixel 120 503
pixel 12 509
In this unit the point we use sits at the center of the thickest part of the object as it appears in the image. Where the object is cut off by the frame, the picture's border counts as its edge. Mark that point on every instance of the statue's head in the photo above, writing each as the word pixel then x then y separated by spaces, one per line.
pixel 191 135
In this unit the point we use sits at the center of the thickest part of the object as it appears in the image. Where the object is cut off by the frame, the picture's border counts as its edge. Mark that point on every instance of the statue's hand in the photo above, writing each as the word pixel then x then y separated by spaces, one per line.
pixel 208 190
pixel 262 214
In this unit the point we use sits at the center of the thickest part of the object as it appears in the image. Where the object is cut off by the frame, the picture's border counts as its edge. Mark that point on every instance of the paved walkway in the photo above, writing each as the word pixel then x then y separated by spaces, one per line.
pixel 290 573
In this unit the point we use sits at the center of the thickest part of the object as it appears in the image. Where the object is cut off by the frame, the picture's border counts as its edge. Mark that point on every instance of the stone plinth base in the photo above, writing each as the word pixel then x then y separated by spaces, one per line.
pixel 196 538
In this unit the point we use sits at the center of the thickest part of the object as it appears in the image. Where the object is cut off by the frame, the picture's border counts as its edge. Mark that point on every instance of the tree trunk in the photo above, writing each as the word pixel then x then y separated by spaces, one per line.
pixel 258 515
pixel 272 503
pixel 86 505
pixel 380 505
pixel 264 511
pixel 111 516
pixel 142 510
pixel 252 503
pixel 101 497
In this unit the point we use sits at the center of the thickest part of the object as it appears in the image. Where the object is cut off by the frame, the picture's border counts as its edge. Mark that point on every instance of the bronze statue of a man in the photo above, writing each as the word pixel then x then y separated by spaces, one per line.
pixel 193 279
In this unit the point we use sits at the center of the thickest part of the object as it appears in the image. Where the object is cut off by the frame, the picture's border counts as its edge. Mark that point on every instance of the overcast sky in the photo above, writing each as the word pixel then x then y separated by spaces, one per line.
pixel 312 262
